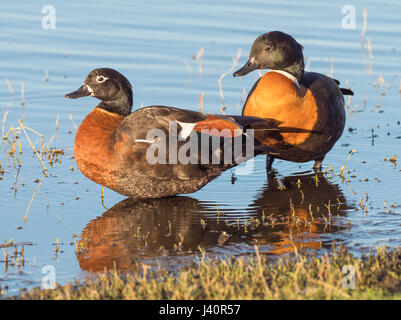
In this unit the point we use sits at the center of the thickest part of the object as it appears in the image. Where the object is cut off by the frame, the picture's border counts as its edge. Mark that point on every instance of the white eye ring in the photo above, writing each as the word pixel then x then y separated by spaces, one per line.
pixel 101 79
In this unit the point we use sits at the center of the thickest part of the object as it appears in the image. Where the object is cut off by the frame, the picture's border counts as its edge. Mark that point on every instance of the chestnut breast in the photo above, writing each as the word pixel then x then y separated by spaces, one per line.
pixel 94 146
pixel 277 97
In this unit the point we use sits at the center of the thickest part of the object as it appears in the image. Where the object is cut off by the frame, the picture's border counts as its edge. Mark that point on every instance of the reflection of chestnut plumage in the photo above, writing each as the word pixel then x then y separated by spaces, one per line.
pixel 141 229
pixel 300 210
pixel 303 190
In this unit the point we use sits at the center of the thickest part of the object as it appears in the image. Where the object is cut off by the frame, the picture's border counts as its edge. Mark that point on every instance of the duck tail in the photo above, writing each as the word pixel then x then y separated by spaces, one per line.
pixel 347 92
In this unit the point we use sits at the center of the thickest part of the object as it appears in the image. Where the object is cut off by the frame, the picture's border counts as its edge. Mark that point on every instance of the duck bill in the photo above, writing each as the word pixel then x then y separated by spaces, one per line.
pixel 248 67
pixel 83 91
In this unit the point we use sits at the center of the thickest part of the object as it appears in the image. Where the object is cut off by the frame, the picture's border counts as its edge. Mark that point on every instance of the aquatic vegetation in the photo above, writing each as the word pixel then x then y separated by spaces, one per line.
pixel 377 276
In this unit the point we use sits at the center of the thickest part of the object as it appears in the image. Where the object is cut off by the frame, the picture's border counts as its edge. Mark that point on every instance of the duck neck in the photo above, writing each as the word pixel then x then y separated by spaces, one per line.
pixel 296 69
pixel 122 105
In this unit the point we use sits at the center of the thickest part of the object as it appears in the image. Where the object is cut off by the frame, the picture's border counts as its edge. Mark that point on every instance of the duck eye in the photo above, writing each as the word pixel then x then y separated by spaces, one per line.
pixel 268 48
pixel 101 79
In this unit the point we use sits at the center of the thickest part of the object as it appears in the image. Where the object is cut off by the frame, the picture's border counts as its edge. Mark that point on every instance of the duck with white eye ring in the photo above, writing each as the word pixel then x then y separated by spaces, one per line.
pixel 111 144
pixel 101 79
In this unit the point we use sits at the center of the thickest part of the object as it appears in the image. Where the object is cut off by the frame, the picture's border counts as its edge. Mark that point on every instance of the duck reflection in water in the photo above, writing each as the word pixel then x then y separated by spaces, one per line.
pixel 291 214
pixel 297 211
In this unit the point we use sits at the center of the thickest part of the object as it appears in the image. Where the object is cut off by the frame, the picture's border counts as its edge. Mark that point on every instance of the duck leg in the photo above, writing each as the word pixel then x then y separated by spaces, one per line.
pixel 318 164
pixel 269 162
pixel 276 182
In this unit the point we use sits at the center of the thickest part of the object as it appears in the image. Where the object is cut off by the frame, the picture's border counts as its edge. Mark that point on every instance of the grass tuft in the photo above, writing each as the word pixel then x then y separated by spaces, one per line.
pixel 257 277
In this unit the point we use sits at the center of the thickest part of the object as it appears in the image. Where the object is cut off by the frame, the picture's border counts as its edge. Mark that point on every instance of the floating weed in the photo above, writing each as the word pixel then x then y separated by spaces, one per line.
pixel 169 229
pixel 370 65
pixel 307 65
pixel 181 241
pixel 343 167
pixel 102 197
pixel 233 177
pixel 311 212
pixel 32 198
pixel 235 62
pixel 316 178
pixel 292 208
pixel 33 147
pixel 198 57
pixel 381 82
pixel 72 120
pixel 22 93
pixel 188 68
pixel 331 171
pixel 364 24
pixel 292 242
pixel 10 87
pixel 263 216
pixel 3 125
pixel 217 209
pixel 241 101
pixel 393 160
pixel 328 206
pixel 347 105
pixel 57 243
pixel 331 68
pixel 200 107
pixel 338 204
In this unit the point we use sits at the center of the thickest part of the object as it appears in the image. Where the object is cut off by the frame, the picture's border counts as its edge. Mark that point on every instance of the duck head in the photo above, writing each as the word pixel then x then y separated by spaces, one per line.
pixel 111 87
pixel 275 50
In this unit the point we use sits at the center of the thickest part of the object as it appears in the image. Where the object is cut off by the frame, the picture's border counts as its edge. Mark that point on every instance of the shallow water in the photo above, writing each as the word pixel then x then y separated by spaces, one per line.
pixel 68 227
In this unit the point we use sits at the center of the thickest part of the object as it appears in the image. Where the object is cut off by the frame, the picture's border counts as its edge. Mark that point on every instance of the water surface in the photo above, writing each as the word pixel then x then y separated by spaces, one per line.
pixel 69 227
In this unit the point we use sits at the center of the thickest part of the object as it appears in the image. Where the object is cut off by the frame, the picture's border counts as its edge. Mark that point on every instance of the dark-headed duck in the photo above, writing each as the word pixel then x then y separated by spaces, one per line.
pixel 310 103
pixel 111 144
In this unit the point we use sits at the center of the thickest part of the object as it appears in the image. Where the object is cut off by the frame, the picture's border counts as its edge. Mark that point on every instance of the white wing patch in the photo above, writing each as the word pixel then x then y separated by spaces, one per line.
pixel 288 75
pixel 146 141
pixel 187 128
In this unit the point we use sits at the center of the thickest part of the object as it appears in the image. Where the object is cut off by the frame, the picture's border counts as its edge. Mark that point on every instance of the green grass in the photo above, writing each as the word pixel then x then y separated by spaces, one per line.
pixel 378 276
